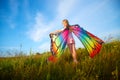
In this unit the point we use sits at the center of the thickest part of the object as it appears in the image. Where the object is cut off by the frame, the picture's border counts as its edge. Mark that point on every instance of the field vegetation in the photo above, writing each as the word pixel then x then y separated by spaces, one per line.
pixel 104 66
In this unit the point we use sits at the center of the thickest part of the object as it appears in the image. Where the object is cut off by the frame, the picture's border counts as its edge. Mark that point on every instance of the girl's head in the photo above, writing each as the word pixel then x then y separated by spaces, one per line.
pixel 65 23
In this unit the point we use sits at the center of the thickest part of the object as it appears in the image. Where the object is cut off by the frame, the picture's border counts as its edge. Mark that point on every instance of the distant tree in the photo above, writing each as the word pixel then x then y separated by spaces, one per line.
pixel 37 53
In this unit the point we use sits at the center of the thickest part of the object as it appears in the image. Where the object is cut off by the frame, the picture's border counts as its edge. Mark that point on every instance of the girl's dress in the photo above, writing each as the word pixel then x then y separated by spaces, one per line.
pixel 70 39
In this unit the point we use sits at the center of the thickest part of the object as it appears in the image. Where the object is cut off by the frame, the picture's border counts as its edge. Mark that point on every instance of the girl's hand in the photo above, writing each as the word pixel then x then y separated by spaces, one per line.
pixel 52 33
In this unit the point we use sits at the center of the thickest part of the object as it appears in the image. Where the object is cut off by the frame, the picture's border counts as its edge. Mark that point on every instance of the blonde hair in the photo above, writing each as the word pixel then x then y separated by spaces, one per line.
pixel 66 21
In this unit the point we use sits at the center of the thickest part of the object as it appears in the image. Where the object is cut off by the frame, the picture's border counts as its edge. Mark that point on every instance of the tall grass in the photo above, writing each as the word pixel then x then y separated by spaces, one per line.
pixel 104 66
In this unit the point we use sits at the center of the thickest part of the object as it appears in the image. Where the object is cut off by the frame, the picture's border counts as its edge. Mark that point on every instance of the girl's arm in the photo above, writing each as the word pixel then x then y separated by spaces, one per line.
pixel 57 31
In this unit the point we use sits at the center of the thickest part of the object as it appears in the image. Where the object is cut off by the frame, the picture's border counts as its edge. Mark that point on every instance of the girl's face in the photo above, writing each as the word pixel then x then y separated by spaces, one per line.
pixel 65 24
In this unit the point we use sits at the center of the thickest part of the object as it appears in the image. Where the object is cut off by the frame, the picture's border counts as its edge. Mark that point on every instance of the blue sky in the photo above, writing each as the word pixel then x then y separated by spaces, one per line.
pixel 27 23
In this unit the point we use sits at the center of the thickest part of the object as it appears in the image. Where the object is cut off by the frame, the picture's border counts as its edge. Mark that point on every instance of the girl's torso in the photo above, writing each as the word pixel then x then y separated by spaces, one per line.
pixel 70 39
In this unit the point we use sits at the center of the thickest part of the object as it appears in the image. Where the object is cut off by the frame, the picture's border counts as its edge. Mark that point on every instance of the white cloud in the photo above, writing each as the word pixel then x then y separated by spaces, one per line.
pixel 38 31
pixel 65 9
pixel 41 28
pixel 44 47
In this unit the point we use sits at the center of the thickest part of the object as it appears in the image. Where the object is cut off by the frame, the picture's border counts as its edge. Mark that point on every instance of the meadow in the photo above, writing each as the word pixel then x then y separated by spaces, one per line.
pixel 104 66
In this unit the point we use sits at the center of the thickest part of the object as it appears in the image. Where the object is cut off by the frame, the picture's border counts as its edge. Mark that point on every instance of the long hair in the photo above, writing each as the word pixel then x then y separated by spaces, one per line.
pixel 65 20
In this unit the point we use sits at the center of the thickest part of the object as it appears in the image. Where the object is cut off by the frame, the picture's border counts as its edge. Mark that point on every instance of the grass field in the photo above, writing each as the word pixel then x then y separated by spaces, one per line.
pixel 104 66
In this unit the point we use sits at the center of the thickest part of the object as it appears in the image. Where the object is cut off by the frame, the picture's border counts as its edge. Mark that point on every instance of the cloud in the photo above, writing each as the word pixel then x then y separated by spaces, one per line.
pixel 65 7
pixel 44 47
pixel 38 31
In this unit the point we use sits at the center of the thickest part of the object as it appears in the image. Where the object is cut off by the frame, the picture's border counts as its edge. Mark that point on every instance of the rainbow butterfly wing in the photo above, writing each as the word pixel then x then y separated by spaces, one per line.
pixel 58 42
pixel 92 43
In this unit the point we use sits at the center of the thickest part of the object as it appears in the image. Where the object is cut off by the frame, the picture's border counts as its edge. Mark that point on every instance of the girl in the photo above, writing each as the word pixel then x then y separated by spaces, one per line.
pixel 70 40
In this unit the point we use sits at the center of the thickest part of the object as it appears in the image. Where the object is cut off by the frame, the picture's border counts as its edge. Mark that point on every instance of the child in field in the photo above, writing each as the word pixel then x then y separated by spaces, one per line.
pixel 70 40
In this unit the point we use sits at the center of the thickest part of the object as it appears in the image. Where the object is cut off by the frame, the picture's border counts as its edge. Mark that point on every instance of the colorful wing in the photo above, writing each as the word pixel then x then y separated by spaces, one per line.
pixel 92 43
pixel 58 42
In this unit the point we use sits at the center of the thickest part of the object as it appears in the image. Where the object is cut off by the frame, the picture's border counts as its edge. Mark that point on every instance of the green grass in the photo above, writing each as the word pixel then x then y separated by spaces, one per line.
pixel 104 66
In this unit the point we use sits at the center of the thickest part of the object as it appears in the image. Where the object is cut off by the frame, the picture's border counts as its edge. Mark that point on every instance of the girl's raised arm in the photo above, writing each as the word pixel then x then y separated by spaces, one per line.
pixel 57 31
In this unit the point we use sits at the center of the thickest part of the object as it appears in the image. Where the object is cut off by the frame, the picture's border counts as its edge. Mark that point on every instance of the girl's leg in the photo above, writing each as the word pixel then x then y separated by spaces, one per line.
pixel 70 48
pixel 73 51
